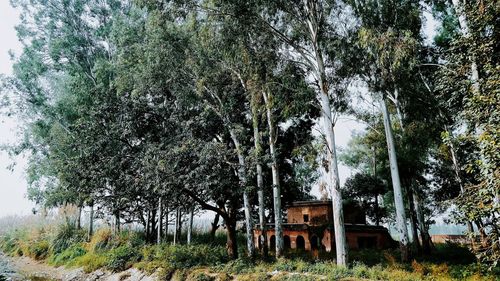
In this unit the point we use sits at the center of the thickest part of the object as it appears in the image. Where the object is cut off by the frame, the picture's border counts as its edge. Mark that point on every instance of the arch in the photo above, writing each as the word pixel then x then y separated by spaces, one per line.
pixel 287 242
pixel 300 242
pixel 314 240
pixel 272 243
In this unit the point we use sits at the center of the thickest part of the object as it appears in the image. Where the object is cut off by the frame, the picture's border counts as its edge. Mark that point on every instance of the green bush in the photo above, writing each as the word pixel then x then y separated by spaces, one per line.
pixel 39 250
pixel 66 235
pixel 91 261
pixel 185 256
pixel 68 255
pixel 121 258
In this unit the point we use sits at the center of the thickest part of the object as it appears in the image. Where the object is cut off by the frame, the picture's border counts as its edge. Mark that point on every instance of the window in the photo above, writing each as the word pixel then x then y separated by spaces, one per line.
pixel 306 218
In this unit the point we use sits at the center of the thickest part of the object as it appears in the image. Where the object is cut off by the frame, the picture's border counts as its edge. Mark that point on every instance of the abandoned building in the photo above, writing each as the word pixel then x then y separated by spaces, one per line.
pixel 309 226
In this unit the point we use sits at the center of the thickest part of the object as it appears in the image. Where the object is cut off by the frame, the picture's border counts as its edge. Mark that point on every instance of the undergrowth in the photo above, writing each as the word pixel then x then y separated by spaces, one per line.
pixel 206 258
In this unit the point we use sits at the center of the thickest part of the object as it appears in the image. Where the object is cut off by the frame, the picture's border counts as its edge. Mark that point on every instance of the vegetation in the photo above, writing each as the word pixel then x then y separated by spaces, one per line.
pixel 148 112
pixel 211 261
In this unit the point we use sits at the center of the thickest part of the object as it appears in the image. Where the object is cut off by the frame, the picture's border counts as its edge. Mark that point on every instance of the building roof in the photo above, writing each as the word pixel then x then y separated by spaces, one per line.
pixel 310 203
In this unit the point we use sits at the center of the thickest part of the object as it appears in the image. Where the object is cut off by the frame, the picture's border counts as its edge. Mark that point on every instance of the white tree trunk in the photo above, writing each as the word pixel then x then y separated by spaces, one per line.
pixel 332 171
pixel 260 180
pixel 160 221
pixel 190 226
pixel 396 183
pixel 278 221
pixel 166 223
pixel 246 200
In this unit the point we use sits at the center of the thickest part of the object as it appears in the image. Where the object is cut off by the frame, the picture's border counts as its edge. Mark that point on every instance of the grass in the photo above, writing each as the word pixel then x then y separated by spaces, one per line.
pixel 206 258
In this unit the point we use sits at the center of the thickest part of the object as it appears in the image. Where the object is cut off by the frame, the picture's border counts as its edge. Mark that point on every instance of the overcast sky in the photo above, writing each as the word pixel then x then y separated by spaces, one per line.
pixel 13 184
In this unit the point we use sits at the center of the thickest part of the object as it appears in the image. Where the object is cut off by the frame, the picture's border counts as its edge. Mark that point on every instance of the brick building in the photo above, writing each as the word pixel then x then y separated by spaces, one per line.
pixel 309 226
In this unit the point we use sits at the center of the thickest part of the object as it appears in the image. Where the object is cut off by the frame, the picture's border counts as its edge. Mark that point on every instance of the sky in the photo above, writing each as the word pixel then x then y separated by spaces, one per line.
pixel 13 186
pixel 12 183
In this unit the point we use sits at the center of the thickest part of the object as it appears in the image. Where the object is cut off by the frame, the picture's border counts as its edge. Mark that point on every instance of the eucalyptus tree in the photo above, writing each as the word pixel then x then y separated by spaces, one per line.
pixel 307 35
pixel 467 81
pixel 388 42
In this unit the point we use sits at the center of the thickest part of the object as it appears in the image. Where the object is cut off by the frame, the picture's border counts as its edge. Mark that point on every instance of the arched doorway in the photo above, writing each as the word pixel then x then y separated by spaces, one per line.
pixel 314 242
pixel 287 242
pixel 272 243
pixel 300 242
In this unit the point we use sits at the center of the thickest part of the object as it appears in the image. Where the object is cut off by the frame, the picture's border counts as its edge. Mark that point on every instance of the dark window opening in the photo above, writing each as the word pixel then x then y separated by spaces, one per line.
pixel 306 218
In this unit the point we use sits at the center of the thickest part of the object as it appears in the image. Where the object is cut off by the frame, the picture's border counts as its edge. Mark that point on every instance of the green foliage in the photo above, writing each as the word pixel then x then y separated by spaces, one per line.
pixel 68 256
pixel 66 235
pixel 121 258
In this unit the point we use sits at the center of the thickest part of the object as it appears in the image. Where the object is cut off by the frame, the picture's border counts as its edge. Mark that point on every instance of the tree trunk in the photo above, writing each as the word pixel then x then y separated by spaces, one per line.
pixel 215 226
pixel 91 222
pixel 232 245
pixel 166 224
pixel 464 29
pixel 79 218
pixel 424 235
pixel 190 226
pixel 148 223
pixel 117 222
pixel 278 221
pixel 177 223
pixel 260 180
pixel 332 171
pixel 160 221
pixel 456 169
pixel 413 222
pixel 396 184
pixel 246 200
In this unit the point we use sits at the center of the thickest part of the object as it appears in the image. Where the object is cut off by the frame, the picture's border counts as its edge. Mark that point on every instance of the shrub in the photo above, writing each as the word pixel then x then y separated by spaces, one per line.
pixel 100 240
pixel 121 258
pixel 68 255
pixel 198 275
pixel 39 250
pixel 91 261
pixel 66 235
pixel 186 256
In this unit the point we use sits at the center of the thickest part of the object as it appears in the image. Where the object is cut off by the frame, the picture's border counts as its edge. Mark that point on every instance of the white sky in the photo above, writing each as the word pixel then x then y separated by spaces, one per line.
pixel 13 184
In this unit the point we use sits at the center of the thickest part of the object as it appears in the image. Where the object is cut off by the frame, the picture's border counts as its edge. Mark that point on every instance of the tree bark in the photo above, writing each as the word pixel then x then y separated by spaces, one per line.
pixel 79 218
pixel 148 223
pixel 456 169
pixel 91 222
pixel 177 225
pixel 232 245
pixel 117 222
pixel 215 226
pixel 160 221
pixel 278 232
pixel 332 171
pixel 166 223
pixel 190 226
pixel 396 184
pixel 424 235
pixel 413 221
pixel 260 180
pixel 246 200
